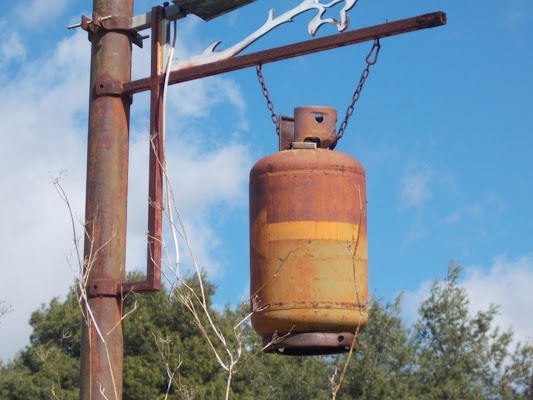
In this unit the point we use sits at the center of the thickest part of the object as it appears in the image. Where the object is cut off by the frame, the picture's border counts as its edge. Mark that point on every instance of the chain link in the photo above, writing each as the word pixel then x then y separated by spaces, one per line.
pixel 266 93
pixel 371 59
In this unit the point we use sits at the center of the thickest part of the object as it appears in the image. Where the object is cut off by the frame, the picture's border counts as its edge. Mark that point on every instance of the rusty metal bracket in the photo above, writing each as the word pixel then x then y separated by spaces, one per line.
pixel 109 23
pixel 104 287
pixel 286 131
pixel 105 86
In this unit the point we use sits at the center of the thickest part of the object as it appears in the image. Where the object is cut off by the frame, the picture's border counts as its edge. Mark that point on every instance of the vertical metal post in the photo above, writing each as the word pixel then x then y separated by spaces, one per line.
pixel 155 185
pixel 155 173
pixel 106 205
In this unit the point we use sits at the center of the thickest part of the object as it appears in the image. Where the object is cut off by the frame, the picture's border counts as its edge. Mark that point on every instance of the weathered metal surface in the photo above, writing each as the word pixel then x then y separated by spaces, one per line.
pixel 103 287
pixel 315 124
pixel 136 23
pixel 308 243
pixel 106 86
pixel 210 9
pixel 317 343
pixel 108 22
pixel 284 128
pixel 294 50
pixel 155 172
pixel 309 124
pixel 105 213
pixel 144 21
pixel 155 183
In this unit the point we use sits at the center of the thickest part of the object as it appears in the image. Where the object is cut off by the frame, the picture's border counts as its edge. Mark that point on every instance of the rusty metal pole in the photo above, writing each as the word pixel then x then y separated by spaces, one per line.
pixel 105 212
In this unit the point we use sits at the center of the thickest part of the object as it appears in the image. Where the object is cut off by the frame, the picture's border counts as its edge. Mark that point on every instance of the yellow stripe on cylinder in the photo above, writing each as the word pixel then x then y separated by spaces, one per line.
pixel 308 242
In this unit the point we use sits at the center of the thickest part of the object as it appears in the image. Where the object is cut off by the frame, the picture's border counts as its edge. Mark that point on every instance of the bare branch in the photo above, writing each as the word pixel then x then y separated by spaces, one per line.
pixel 5 309
pixel 335 387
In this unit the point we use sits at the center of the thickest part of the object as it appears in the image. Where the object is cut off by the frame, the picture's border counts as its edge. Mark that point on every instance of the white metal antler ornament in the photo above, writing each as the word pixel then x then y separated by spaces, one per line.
pixel 210 55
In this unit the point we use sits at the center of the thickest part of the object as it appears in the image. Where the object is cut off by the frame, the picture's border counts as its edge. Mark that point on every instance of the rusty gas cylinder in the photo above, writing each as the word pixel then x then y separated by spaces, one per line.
pixel 308 240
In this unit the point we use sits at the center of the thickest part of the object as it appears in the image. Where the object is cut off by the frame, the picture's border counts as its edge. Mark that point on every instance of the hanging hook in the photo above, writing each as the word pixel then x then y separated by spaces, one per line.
pixel 377 47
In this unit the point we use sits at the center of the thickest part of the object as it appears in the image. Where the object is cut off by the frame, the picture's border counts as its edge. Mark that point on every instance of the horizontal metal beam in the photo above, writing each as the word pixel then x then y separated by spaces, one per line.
pixel 294 50
pixel 144 21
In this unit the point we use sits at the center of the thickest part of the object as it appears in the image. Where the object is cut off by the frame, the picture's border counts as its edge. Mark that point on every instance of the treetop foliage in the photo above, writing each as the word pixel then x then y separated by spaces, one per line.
pixel 447 354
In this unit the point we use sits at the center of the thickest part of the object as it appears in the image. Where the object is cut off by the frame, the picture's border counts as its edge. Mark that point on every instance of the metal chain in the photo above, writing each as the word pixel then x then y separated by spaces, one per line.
pixel 266 93
pixel 371 59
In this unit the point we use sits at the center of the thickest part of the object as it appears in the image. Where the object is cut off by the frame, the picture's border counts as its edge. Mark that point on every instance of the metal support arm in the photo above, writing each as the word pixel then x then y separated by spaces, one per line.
pixel 294 50
pixel 154 83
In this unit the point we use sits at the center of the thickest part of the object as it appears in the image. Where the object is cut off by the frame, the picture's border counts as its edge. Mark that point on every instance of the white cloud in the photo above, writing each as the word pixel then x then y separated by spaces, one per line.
pixel 40 137
pixel 11 46
pixel 137 203
pixel 201 181
pixel 506 283
pixel 37 12
pixel 415 189
pixel 43 129
pixel 206 177
pixel 411 301
pixel 195 98
pixel 453 218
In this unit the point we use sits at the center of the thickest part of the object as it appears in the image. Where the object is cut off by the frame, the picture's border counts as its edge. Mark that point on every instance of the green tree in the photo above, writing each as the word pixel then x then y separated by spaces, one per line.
pixel 382 366
pixel 462 356
pixel 447 354
pixel 49 367
pixel 159 333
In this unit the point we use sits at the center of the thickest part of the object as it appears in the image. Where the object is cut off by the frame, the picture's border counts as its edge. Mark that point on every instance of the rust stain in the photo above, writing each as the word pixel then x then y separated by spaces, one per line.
pixel 307 211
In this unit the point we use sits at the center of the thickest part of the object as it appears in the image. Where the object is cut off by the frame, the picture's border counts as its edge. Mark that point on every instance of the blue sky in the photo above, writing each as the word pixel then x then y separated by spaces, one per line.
pixel 443 128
